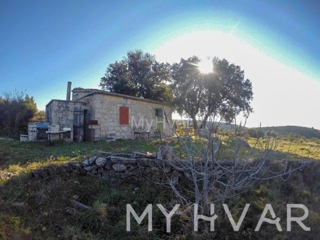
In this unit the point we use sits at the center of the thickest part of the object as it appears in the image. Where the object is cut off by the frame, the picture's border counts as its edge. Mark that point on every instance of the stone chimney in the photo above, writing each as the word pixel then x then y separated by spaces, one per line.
pixel 69 91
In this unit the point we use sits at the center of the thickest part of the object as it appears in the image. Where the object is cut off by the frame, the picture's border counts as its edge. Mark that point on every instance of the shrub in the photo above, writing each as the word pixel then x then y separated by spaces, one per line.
pixel 16 109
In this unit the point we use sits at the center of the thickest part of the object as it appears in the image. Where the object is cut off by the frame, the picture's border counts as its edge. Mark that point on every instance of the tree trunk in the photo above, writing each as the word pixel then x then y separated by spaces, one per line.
pixel 204 120
pixel 195 124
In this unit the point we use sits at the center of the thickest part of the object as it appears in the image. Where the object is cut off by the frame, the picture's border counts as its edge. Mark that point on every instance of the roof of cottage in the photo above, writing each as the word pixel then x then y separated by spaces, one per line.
pixel 97 91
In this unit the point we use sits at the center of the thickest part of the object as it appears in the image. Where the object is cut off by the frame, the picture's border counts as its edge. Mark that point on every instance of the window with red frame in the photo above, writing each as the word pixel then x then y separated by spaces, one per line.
pixel 124 115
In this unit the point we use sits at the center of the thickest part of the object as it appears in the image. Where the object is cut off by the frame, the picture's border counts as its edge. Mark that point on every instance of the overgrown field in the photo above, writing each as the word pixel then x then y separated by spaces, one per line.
pixel 41 209
pixel 297 148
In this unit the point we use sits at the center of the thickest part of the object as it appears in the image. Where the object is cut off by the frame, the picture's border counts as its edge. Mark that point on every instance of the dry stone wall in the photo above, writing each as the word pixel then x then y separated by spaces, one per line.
pixel 131 168
pixel 116 168
pixel 138 167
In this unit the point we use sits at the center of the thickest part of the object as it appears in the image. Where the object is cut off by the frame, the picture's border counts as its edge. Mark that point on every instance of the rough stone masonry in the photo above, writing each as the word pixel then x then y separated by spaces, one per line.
pixel 137 167
pixel 116 167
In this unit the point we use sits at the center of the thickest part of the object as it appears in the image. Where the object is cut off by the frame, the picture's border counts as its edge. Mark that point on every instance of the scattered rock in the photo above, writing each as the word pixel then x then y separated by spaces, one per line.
pixel 89 162
pixel 88 169
pixel 119 167
pixel 101 161
pixel 75 197
pixel 86 163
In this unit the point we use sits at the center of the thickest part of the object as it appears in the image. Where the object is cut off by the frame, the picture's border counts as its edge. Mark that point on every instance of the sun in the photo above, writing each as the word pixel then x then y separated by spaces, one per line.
pixel 205 66
pixel 206 44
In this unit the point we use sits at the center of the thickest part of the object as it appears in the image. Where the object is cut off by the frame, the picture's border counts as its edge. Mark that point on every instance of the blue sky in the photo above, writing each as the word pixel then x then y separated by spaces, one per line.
pixel 45 44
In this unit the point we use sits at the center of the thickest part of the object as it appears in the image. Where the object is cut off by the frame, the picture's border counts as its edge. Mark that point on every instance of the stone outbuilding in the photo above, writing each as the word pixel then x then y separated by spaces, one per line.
pixel 94 114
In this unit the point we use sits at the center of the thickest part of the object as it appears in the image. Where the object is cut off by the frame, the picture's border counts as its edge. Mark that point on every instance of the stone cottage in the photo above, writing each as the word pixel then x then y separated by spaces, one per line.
pixel 94 114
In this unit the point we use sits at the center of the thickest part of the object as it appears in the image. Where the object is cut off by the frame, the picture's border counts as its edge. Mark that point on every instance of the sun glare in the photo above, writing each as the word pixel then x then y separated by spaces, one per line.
pixel 205 66
pixel 202 44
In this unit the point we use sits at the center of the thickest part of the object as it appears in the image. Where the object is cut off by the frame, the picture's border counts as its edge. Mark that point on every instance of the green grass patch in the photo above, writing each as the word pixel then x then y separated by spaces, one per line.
pixel 21 153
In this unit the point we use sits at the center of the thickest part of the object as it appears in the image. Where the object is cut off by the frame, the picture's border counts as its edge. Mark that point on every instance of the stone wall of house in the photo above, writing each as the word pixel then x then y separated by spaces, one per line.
pixel 105 109
pixel 60 112
pixel 78 93
pixel 59 115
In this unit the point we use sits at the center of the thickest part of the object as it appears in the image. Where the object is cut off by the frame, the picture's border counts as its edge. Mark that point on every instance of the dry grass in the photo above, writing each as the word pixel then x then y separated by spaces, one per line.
pixel 296 149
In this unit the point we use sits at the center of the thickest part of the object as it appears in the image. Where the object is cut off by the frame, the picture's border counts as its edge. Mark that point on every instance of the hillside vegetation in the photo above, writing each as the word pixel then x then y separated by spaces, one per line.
pixel 279 130
pixel 291 130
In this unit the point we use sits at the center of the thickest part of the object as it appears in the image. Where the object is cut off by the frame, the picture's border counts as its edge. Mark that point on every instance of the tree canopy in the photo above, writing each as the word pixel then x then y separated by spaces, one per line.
pixel 140 75
pixel 224 92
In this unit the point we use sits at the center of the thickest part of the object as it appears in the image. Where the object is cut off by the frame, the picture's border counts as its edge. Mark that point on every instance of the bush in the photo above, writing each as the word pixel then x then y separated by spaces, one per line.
pixel 254 133
pixel 16 109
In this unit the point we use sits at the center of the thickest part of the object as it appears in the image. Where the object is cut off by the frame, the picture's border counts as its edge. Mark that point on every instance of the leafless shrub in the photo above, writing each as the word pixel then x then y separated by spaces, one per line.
pixel 217 171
